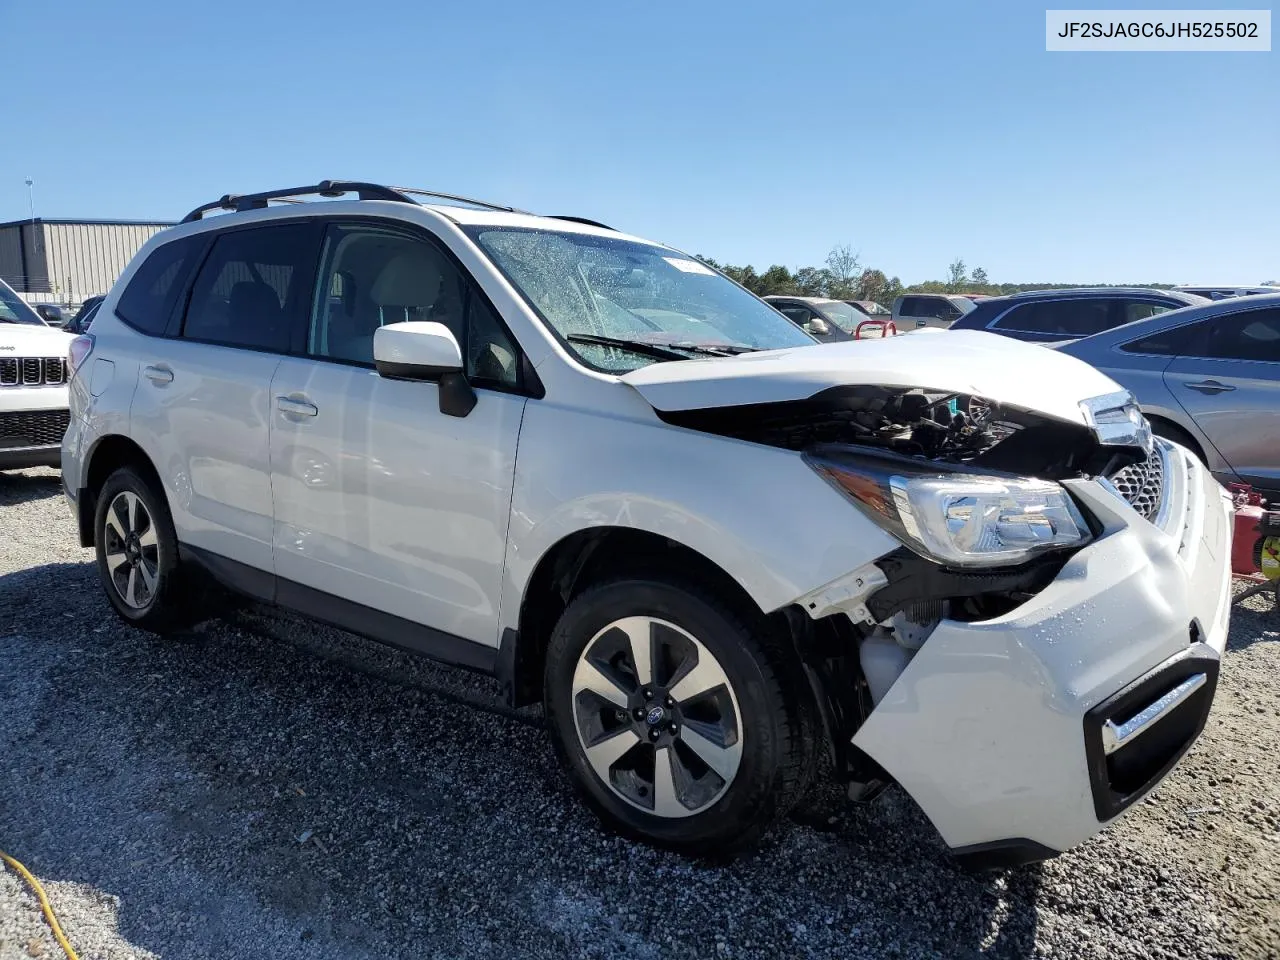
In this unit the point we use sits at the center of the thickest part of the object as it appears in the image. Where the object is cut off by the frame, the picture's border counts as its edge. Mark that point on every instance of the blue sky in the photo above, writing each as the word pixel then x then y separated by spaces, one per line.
pixel 753 133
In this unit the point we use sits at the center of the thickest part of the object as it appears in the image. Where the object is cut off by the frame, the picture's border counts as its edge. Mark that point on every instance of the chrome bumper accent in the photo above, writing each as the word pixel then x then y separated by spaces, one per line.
pixel 1115 736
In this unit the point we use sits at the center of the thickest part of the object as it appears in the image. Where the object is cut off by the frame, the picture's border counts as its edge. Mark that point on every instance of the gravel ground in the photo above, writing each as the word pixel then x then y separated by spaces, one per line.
pixel 266 787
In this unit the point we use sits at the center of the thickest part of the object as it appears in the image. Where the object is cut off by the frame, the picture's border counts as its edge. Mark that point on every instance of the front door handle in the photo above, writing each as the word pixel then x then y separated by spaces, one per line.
pixel 296 408
pixel 158 374
pixel 1210 386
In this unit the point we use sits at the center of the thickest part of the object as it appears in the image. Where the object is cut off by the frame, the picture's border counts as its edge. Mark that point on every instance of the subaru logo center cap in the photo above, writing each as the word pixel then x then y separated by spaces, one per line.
pixel 654 716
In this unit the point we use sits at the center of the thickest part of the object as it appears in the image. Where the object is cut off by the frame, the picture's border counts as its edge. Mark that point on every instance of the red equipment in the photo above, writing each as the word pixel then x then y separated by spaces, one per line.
pixel 1255 548
pixel 887 328
pixel 1249 511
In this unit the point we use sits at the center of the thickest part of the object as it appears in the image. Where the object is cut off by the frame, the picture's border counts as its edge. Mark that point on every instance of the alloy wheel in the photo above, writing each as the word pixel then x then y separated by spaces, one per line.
pixel 657 717
pixel 132 550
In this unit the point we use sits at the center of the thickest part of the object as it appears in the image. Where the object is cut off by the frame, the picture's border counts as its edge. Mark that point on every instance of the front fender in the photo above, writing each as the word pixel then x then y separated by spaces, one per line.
pixel 757 512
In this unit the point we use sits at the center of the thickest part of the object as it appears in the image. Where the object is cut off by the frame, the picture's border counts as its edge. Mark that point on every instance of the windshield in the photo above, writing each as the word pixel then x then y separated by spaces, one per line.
pixel 13 309
pixel 841 314
pixel 587 287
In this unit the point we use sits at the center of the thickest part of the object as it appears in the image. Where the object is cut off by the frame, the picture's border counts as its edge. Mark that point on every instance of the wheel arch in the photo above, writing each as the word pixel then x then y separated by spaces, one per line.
pixel 108 454
pixel 593 555
pixel 1162 418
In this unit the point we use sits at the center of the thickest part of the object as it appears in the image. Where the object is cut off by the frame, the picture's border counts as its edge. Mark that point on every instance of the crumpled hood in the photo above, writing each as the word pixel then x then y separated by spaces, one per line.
pixel 28 340
pixel 955 361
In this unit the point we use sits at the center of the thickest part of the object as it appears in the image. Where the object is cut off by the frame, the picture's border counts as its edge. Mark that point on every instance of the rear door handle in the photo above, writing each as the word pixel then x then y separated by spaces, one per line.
pixel 296 408
pixel 158 374
pixel 1210 386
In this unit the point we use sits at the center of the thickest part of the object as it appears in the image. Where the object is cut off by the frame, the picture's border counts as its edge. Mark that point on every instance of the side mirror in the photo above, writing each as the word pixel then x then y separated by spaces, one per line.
pixel 51 314
pixel 817 327
pixel 418 350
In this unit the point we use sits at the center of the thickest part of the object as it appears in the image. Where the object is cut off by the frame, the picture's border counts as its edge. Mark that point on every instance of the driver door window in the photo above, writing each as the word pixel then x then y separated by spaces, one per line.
pixel 373 276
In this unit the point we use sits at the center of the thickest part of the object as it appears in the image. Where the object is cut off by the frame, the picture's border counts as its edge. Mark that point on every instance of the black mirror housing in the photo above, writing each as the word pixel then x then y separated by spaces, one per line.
pixel 51 314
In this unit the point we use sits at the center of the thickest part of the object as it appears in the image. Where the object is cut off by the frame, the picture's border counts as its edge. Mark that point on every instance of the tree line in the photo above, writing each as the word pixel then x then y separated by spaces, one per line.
pixel 843 277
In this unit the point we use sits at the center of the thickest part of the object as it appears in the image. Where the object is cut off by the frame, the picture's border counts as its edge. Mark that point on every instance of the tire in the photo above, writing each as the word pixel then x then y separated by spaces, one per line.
pixel 1175 434
pixel 754 720
pixel 138 555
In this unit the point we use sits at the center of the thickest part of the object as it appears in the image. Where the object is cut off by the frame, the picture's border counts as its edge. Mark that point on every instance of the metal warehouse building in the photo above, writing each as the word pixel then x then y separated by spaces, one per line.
pixel 65 261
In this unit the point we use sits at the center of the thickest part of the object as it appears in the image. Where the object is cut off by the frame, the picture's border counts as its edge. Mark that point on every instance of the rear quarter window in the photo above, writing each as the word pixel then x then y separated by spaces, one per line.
pixel 148 300
pixel 1166 343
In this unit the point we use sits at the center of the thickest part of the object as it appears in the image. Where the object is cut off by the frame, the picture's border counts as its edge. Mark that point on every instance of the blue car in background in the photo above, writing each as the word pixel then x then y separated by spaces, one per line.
pixel 1045 316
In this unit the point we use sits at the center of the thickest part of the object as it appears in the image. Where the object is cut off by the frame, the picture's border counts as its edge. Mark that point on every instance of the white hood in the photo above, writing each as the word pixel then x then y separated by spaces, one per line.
pixel 28 340
pixel 955 361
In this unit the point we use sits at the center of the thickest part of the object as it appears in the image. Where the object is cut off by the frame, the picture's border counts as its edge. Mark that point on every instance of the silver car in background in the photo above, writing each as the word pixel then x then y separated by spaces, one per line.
pixel 1207 377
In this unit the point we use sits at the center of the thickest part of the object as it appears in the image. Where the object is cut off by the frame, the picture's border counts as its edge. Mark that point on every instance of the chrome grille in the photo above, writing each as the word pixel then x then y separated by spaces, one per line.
pixel 1142 484
pixel 32 371
pixel 33 428
pixel 55 370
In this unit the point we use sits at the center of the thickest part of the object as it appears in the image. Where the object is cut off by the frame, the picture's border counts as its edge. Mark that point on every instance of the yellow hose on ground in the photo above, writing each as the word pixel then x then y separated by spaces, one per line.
pixel 45 907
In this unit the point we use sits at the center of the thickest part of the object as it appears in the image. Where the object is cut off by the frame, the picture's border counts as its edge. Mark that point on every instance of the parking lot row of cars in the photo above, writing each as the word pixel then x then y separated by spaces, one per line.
pixel 1204 362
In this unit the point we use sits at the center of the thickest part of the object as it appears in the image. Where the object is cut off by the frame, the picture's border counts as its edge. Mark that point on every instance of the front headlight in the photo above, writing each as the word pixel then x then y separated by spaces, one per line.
pixel 959 519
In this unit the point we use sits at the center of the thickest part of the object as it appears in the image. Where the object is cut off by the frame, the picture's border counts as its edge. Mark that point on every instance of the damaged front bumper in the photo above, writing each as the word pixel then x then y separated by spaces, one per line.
pixel 1022 735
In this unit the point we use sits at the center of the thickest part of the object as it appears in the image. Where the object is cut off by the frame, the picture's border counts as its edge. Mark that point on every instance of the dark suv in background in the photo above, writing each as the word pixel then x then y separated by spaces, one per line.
pixel 1048 315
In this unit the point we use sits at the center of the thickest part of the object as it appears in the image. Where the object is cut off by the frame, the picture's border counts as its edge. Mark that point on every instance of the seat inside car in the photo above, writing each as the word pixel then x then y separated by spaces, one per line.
pixel 411 287
pixel 256 301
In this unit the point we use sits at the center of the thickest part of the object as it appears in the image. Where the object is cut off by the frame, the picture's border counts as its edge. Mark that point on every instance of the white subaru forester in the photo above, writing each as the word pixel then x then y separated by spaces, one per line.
pixel 596 468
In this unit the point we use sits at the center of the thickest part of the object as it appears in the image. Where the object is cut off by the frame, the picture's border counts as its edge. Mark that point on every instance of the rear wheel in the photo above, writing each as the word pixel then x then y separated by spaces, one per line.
pixel 137 551
pixel 680 726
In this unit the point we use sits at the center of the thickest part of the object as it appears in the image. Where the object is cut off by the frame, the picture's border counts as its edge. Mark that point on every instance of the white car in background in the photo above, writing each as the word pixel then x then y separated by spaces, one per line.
pixel 1227 291
pixel 712 549
pixel 33 386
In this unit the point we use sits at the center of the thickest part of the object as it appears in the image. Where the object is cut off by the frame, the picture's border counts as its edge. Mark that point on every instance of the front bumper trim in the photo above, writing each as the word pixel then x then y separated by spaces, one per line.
pixel 1115 736
pixel 1133 738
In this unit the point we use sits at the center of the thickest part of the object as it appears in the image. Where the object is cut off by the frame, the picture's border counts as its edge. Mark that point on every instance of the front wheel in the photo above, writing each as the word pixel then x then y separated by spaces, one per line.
pixel 681 725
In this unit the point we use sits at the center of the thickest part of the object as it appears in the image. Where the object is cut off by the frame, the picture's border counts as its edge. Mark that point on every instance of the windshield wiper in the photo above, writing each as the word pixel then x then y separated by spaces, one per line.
pixel 663 351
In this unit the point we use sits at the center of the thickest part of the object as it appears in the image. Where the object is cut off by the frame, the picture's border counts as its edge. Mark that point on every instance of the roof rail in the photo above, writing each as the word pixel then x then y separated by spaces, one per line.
pixel 485 204
pixel 325 188
pixel 589 223
pixel 365 191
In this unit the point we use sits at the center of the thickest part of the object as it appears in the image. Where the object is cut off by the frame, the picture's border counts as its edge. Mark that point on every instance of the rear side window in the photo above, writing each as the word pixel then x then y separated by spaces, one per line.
pixel 252 285
pixel 1250 335
pixel 148 300
pixel 935 308
pixel 946 310
pixel 1166 343
pixel 910 307
pixel 1061 318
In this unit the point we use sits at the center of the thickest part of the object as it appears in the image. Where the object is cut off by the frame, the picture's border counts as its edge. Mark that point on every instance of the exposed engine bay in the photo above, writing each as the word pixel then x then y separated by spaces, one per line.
pixel 947 427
